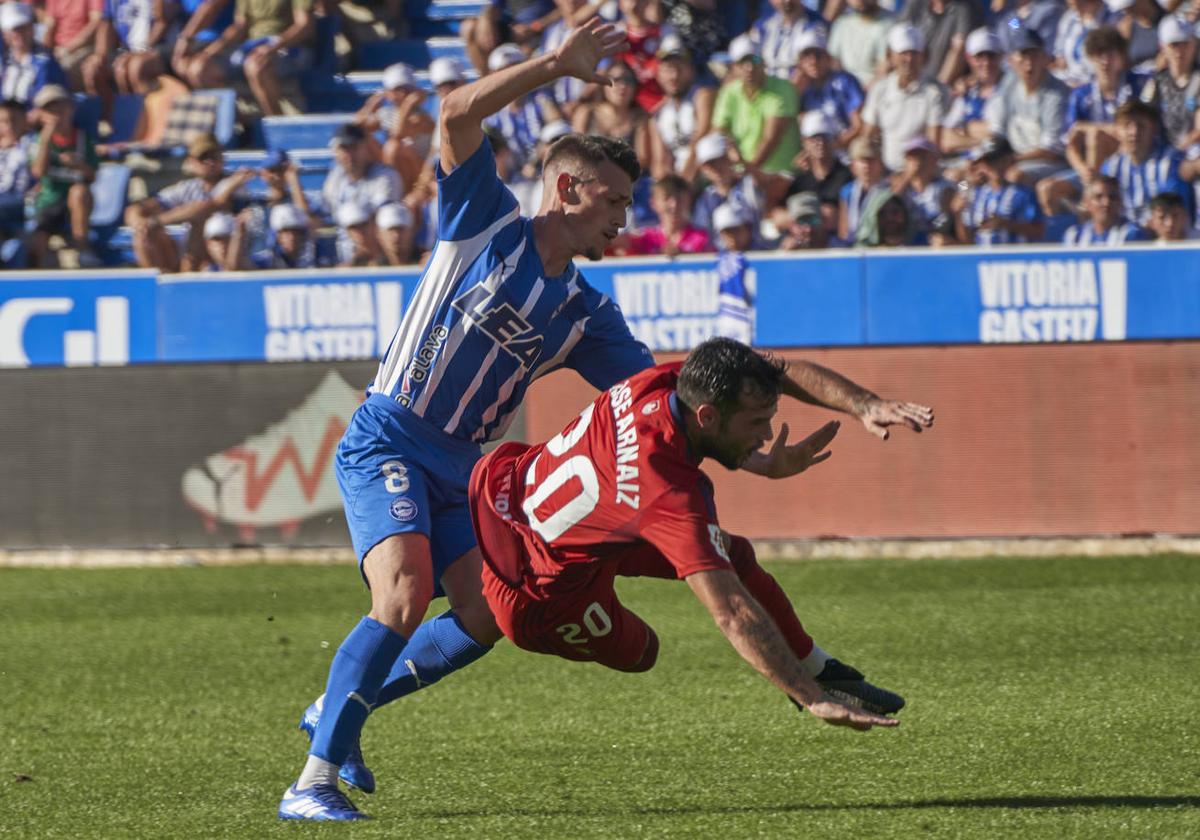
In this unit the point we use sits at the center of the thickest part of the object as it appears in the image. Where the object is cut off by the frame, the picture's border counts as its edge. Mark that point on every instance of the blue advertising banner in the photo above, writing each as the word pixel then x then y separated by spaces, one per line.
pixel 281 316
pixel 77 318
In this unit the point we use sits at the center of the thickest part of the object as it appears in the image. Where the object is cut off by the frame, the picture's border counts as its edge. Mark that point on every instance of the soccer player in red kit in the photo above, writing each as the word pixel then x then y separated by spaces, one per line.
pixel 620 492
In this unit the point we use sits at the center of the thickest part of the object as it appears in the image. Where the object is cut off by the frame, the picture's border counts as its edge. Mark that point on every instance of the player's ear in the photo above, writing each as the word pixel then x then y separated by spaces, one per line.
pixel 707 416
pixel 564 187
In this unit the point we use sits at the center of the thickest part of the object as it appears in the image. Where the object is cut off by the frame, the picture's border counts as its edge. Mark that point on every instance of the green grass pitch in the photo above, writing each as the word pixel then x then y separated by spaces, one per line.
pixel 1047 698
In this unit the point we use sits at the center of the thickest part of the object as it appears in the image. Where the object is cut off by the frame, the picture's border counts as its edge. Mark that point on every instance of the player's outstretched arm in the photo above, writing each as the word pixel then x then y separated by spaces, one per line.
pixel 466 107
pixel 754 635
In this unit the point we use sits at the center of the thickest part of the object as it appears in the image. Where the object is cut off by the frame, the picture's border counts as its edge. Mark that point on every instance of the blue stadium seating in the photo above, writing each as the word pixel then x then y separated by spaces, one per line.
pixel 382 54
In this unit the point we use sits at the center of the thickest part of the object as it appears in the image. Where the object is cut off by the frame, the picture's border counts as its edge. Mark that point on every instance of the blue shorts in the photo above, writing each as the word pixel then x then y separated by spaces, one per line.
pixel 400 475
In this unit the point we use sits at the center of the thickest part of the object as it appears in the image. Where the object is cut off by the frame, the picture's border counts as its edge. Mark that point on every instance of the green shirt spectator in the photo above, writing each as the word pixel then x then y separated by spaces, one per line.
pixel 758 111
pixel 267 18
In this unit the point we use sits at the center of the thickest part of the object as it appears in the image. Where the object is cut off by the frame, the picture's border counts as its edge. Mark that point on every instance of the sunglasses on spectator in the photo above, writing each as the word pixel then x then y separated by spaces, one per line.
pixel 207 156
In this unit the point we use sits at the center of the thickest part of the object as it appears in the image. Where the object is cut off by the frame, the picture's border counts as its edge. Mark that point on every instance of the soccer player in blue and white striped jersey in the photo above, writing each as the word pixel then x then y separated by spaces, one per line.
pixel 500 304
pixel 1105 225
pixel 1144 165
pixel 999 212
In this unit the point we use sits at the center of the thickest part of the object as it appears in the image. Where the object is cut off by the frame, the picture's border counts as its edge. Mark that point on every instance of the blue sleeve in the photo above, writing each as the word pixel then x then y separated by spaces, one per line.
pixel 472 197
pixel 608 352
pixel 1075 106
pixel 1029 210
pixel 852 93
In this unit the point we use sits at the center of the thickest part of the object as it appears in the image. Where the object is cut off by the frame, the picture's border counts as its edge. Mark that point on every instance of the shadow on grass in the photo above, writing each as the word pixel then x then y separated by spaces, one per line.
pixel 997 802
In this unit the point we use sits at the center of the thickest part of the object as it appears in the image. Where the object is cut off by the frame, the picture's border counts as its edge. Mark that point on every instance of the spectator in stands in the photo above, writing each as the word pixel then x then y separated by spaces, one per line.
pixel 224 245
pixel 1105 224
pixel 777 35
pixel 966 126
pixel 617 114
pixel 1138 22
pixel 671 199
pixel 944 25
pixel 27 66
pixel 394 223
pixel 887 222
pixel 1144 165
pixel 943 232
pixel 15 180
pixel 133 49
pixel 867 168
pixel 685 113
pixel 293 245
pixel 700 23
pixel 805 229
pixel 369 21
pixel 206 20
pixel 820 87
pixel 269 41
pixel 396 108
pixel 70 30
pixel 757 111
pixel 278 171
pixel 725 184
pixel 818 169
pixel 1029 111
pixel 1176 87
pixel 1000 211
pixel 1168 221
pixel 920 184
pixel 568 90
pixel 357 224
pixel 1082 16
pixel 1042 16
pixel 520 123
pixel 735 288
pixel 189 202
pixel 858 40
pixel 903 105
pixel 64 161
pixel 505 21
pixel 642 20
pixel 158 124
pixel 356 180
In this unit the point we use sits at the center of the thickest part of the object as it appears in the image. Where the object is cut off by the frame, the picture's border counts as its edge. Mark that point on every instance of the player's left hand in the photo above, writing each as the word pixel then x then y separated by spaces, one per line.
pixel 879 414
pixel 782 461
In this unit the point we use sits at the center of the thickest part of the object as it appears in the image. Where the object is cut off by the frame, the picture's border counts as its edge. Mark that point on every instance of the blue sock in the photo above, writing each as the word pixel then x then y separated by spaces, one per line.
pixel 439 646
pixel 358 670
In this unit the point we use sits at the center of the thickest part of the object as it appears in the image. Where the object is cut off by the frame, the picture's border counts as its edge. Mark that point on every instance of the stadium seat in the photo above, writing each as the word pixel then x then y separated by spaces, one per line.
pixel 87 113
pixel 127 110
pixel 417 53
pixel 108 195
pixel 440 17
pixel 226 113
pixel 309 131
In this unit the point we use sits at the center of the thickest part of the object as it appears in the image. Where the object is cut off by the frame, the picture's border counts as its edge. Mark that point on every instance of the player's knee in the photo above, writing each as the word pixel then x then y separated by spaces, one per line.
pixel 649 655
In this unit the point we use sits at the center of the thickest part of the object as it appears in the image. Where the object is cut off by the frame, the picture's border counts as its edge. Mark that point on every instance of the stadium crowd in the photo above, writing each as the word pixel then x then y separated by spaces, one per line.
pixel 825 124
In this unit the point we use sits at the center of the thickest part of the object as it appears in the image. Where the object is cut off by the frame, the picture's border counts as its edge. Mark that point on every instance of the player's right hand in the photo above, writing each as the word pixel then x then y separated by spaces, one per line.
pixel 586 46
pixel 839 714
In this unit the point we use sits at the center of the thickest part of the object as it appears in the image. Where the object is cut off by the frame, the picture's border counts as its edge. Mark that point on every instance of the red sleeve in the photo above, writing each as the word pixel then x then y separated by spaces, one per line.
pixel 680 526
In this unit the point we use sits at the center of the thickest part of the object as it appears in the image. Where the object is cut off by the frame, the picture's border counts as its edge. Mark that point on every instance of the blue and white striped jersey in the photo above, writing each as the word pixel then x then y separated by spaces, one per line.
pixel 778 40
pixel 485 322
pixel 520 124
pixel 1083 235
pixel 22 79
pixel 839 96
pixel 735 319
pixel 1009 201
pixel 1089 104
pixel 1140 182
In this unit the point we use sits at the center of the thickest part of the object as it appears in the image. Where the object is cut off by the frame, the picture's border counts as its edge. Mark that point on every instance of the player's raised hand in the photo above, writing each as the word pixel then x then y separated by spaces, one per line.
pixel 838 714
pixel 782 461
pixel 586 46
pixel 880 414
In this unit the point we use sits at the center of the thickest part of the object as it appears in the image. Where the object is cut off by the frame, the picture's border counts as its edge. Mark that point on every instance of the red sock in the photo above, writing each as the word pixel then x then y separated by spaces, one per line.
pixel 770 595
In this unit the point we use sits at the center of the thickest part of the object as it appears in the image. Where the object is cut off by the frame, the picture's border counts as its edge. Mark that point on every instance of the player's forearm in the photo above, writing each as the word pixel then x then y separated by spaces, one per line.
pixel 756 638
pixel 472 103
pixel 816 385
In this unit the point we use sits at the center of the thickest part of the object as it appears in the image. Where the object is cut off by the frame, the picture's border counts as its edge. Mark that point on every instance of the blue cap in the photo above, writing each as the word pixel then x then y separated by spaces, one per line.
pixel 1025 39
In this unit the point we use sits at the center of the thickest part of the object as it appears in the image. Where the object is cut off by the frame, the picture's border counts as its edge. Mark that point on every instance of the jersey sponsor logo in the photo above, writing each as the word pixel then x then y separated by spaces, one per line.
pixel 651 407
pixel 418 369
pixel 403 509
pixel 1052 300
pixel 107 344
pixel 501 323
pixel 629 490
pixel 325 321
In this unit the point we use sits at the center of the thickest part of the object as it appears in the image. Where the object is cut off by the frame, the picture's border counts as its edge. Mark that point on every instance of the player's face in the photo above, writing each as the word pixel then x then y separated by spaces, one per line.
pixel 599 214
pixel 743 432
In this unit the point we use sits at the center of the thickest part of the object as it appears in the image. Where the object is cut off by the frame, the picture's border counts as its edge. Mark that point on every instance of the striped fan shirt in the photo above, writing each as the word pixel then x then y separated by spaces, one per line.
pixel 777 40
pixel 1140 182
pixel 1009 201
pixel 1085 234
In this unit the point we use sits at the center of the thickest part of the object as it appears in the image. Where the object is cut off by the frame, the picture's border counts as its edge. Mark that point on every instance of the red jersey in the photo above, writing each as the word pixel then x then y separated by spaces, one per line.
pixel 642 58
pixel 620 476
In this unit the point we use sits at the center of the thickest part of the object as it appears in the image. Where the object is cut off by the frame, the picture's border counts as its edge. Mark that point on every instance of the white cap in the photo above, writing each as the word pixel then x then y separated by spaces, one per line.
pixel 815 123
pixel 13 15
pixel 551 131
pixel 741 47
pixel 904 37
pixel 399 76
pixel 1173 30
pixel 812 38
pixel 710 147
pixel 503 56
pixel 287 217
pixel 444 69
pixel 671 44
pixel 983 40
pixel 352 213
pixel 218 225
pixel 393 215
pixel 1118 6
pixel 730 215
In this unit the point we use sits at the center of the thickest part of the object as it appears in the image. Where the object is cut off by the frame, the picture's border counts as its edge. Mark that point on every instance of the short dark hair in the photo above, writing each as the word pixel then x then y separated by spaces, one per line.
pixel 1166 201
pixel 1107 180
pixel 1105 38
pixel 717 372
pixel 594 149
pixel 1133 108
pixel 673 184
